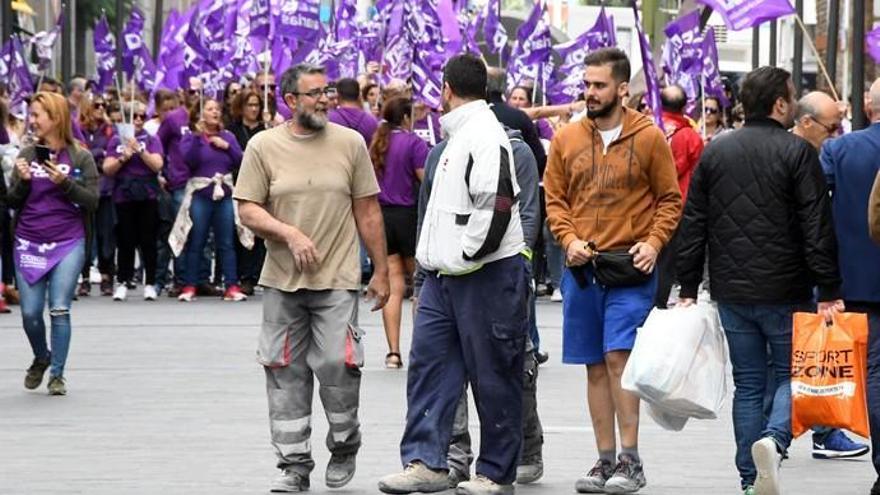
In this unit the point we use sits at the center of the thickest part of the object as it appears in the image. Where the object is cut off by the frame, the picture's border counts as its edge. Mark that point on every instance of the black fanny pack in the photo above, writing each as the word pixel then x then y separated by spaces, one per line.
pixel 138 188
pixel 612 269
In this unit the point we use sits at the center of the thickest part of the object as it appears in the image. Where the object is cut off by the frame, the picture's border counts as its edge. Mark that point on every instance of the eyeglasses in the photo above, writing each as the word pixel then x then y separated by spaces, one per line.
pixel 192 92
pixel 830 129
pixel 141 116
pixel 98 104
pixel 253 105
pixel 269 87
pixel 328 91
pixel 711 111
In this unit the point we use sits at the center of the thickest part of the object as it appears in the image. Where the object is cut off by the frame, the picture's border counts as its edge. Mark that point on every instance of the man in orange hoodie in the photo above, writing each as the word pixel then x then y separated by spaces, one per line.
pixel 613 199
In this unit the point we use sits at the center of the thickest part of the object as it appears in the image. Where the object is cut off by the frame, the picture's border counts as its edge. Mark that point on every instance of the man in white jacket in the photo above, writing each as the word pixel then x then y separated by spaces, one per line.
pixel 472 318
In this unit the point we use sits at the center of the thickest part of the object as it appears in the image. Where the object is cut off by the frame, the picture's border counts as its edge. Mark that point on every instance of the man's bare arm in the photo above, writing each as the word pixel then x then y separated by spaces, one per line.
pixel 256 218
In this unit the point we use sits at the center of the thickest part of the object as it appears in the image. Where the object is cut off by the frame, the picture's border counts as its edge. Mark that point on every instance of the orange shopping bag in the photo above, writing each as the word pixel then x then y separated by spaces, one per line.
pixel 828 373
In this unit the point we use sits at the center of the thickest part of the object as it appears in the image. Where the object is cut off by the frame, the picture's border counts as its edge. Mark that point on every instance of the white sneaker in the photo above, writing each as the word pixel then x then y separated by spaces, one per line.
pixel 150 293
pixel 556 296
pixel 121 293
pixel 767 459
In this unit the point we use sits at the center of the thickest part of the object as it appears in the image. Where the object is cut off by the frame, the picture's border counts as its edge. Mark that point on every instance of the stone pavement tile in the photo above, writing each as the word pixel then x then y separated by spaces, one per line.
pixel 166 398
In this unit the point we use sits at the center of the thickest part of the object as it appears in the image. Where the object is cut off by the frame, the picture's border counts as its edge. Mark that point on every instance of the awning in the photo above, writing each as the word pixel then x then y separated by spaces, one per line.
pixel 22 7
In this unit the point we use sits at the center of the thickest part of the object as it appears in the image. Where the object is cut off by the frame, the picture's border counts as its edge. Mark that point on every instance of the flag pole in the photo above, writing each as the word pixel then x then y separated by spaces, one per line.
pixel 819 62
pixel 703 103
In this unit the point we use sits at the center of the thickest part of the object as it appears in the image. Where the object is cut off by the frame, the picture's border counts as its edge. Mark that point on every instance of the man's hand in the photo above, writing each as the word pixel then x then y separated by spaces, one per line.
pixel 578 253
pixel 379 290
pixel 305 255
pixel 685 302
pixel 829 308
pixel 644 256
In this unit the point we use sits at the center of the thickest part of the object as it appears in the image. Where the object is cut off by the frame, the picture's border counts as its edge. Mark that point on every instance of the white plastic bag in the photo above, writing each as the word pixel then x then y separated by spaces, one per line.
pixel 678 364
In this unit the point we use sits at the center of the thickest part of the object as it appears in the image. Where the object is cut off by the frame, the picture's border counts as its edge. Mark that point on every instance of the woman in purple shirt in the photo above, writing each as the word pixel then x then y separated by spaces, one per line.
pixel 398 157
pixel 211 153
pixel 54 189
pixel 98 131
pixel 134 162
pixel 521 97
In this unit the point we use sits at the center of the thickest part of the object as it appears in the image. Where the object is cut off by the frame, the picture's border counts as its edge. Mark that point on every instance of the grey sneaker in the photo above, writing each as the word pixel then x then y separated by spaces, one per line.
pixel 416 477
pixel 530 470
pixel 456 477
pixel 340 470
pixel 289 481
pixel 767 459
pixel 482 485
pixel 35 373
pixel 594 481
pixel 57 386
pixel 629 477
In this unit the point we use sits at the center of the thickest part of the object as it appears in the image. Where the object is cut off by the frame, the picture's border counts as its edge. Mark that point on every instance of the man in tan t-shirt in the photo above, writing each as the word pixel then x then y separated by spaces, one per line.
pixel 309 189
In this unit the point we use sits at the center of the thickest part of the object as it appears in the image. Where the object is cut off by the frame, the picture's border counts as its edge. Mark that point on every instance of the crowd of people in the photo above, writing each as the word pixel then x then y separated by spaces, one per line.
pixel 472 210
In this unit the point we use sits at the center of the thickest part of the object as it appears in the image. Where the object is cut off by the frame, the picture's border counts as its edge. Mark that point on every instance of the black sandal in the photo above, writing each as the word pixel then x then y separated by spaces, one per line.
pixel 393 361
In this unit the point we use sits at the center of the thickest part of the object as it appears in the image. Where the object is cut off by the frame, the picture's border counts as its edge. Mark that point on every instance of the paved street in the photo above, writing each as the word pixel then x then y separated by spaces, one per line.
pixel 166 398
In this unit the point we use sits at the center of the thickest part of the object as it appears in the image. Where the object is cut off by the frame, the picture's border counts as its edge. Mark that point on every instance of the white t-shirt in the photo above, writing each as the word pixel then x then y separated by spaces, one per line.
pixel 610 135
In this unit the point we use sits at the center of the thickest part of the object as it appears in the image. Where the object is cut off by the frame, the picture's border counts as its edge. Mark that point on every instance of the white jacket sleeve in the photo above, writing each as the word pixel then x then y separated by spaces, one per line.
pixel 491 186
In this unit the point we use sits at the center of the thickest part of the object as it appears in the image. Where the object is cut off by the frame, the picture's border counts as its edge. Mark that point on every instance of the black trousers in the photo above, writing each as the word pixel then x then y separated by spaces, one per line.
pixel 137 229
pixel 666 275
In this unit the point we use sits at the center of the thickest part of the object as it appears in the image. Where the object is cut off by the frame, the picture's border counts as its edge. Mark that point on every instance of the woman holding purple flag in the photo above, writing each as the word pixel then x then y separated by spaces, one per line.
pixel 98 131
pixel 54 190
pixel 134 162
pixel 211 153
pixel 398 156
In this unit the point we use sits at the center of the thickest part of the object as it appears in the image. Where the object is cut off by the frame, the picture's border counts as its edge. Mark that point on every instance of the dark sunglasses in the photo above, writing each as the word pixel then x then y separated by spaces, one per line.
pixel 99 104
pixel 141 116
pixel 192 91
pixel 270 87
pixel 712 111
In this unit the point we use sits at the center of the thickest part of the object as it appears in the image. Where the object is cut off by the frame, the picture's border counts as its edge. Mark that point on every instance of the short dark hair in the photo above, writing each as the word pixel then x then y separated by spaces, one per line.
pixel 616 58
pixel 673 98
pixel 163 95
pixel 290 78
pixel 466 76
pixel 348 89
pixel 760 90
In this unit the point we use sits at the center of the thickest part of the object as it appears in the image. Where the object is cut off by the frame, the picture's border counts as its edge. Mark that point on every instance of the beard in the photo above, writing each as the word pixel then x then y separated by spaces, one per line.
pixel 604 110
pixel 313 121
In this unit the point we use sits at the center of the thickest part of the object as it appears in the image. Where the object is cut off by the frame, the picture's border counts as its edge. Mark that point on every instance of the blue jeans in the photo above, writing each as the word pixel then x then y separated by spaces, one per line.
pixel 751 330
pixel 217 216
pixel 60 283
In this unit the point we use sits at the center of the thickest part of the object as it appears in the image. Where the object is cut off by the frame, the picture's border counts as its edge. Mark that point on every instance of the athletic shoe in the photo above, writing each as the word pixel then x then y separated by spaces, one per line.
pixel 4 308
pixel 35 373
pixel 749 490
pixel 150 293
pixel 187 294
pixel 530 471
pixel 482 485
pixel 416 477
pixel 455 477
pixel 85 289
pixel 767 458
pixel 594 481
pixel 289 482
pixel 556 296
pixel 247 287
pixel 57 386
pixel 121 293
pixel 234 293
pixel 629 476
pixel 836 445
pixel 340 470
pixel 541 357
pixel 106 287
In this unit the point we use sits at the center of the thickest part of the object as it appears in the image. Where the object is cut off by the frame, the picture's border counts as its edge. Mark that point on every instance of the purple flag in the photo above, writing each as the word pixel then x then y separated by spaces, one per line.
pixel 533 47
pixel 14 70
pixel 494 32
pixel 172 48
pixel 346 22
pixel 136 59
pixel 872 40
pixel 44 42
pixel 712 83
pixel 300 20
pixel 260 19
pixel 469 28
pixel 425 27
pixel 742 14
pixel 452 39
pixel 683 36
pixel 652 83
pixel 602 34
pixel 105 52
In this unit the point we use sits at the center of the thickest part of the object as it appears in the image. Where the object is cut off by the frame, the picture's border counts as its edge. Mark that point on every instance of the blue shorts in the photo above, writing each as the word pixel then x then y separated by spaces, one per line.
pixel 597 319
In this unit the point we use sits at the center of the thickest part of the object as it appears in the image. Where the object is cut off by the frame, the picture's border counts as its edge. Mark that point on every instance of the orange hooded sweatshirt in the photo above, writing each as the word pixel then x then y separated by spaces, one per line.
pixel 629 194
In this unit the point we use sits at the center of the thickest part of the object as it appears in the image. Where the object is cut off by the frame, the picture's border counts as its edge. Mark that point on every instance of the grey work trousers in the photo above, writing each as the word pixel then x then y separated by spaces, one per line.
pixel 307 331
